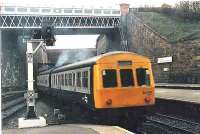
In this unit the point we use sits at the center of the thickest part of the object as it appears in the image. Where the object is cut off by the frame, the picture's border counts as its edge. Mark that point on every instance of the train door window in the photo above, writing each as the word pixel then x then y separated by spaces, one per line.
pixel 85 79
pixel 68 77
pixel 58 80
pixel 54 80
pixel 126 76
pixel 66 80
pixel 78 79
pixel 51 80
pixel 57 76
pixel 109 78
pixel 62 79
pixel 143 76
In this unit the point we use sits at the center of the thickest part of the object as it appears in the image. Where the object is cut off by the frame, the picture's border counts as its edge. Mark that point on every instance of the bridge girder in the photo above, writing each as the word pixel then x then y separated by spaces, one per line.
pixel 34 22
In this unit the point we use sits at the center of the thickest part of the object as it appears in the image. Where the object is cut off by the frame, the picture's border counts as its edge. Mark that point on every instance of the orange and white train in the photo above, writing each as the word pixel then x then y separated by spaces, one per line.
pixel 112 80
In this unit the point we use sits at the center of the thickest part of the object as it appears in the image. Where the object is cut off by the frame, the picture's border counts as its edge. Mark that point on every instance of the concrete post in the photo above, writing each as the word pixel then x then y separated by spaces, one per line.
pixel 30 95
pixel 31 119
pixel 124 8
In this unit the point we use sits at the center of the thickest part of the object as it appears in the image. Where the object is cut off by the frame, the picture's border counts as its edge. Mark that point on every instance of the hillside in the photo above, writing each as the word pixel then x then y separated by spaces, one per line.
pixel 173 29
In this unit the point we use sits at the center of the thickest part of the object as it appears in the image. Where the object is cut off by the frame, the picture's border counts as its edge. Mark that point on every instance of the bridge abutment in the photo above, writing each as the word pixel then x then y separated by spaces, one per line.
pixel 12 61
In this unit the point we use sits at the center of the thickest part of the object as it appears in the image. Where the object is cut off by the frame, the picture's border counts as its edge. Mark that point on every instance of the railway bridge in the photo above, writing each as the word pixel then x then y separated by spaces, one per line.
pixel 65 20
pixel 18 23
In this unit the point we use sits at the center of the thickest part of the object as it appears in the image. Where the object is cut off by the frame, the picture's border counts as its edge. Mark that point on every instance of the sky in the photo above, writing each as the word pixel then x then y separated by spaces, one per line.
pixel 82 41
pixel 74 41
pixel 88 3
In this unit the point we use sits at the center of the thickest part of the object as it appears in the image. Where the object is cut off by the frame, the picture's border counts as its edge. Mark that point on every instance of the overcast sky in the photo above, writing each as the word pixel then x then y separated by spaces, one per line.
pixel 88 3
pixel 75 41
pixel 83 41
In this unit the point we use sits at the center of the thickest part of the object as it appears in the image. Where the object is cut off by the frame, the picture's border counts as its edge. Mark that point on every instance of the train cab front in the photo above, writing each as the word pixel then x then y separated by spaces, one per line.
pixel 123 84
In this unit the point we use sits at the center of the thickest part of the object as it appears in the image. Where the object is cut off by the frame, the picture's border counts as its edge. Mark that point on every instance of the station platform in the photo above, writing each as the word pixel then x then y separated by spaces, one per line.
pixel 70 129
pixel 178 85
pixel 187 95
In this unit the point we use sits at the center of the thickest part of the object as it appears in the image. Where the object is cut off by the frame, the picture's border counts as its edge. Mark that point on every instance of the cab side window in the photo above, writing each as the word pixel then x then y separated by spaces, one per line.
pixel 143 76
pixel 109 78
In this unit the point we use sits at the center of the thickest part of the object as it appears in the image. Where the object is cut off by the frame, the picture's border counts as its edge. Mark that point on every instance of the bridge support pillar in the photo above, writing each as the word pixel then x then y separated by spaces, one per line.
pixel 124 8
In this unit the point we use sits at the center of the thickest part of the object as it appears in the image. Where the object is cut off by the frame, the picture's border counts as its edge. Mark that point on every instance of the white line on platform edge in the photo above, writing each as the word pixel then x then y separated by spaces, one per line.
pixel 128 132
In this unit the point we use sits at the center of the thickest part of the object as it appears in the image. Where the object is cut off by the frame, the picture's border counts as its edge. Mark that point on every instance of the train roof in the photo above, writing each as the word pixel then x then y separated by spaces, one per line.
pixel 46 71
pixel 90 61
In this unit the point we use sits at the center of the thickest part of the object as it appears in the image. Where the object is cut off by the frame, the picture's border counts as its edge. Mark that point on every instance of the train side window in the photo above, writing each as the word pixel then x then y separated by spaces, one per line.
pixel 126 76
pixel 70 79
pixel 62 79
pixel 78 79
pixel 85 79
pixel 73 79
pixel 143 76
pixel 109 78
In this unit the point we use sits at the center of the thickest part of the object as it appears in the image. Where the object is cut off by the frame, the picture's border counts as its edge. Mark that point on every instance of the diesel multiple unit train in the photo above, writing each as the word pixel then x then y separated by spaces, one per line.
pixel 112 80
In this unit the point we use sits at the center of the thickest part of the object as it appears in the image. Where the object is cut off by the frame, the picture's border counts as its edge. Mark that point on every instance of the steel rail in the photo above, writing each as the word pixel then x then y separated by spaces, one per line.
pixel 161 122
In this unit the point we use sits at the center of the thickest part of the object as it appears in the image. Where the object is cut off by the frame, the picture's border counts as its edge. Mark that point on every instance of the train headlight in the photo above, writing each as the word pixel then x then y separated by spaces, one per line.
pixel 109 102
pixel 147 99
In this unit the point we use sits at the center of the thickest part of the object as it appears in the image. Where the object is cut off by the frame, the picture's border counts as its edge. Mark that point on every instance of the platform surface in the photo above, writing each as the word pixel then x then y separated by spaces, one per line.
pixel 178 85
pixel 187 95
pixel 70 129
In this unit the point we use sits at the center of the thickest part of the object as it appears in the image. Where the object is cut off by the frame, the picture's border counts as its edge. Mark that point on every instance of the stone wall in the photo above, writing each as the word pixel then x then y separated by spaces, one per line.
pixel 144 40
pixel 108 42
pixel 13 67
pixel 186 65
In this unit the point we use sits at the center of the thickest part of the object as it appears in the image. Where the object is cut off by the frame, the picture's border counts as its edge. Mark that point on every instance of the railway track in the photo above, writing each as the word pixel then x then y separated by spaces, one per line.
pixel 165 124
pixel 12 102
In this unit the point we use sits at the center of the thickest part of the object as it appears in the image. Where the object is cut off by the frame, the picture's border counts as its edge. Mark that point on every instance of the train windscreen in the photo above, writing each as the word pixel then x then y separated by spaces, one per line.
pixel 109 78
pixel 143 76
pixel 126 76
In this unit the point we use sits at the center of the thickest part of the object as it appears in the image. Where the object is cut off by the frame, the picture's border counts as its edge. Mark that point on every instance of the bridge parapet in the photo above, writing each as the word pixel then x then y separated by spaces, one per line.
pixel 34 17
pixel 15 10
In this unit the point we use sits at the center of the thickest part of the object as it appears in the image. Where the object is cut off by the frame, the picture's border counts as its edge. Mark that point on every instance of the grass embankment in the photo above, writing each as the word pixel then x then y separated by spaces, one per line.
pixel 173 29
